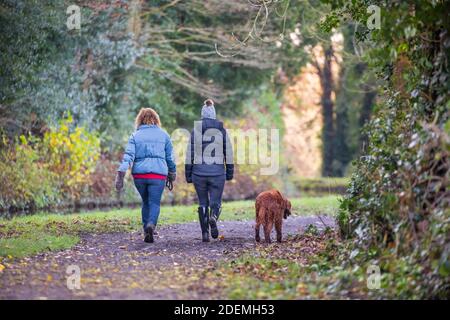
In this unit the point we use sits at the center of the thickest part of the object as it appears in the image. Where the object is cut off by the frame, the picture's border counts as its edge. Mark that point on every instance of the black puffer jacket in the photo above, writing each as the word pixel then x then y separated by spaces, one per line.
pixel 218 158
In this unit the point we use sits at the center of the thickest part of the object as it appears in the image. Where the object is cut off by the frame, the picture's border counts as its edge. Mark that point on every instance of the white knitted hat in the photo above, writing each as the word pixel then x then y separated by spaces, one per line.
pixel 208 110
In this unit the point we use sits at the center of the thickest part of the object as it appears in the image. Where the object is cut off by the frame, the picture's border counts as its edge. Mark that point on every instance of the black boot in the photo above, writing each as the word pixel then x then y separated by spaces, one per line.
pixel 214 217
pixel 148 233
pixel 203 217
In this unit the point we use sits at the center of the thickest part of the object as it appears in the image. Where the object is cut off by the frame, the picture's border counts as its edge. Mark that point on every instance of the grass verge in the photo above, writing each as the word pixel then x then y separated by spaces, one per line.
pixel 27 235
pixel 19 247
pixel 300 268
pixel 317 265
pixel 321 186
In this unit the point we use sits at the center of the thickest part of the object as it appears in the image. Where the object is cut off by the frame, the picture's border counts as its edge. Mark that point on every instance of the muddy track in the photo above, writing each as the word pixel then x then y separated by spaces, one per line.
pixel 122 266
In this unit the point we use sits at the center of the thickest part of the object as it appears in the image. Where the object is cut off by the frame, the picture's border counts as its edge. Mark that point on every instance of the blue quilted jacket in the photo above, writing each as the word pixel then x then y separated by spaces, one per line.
pixel 149 150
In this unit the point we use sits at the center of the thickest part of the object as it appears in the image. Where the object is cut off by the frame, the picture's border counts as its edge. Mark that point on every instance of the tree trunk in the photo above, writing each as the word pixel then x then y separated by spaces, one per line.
pixel 366 111
pixel 134 20
pixel 326 80
pixel 342 154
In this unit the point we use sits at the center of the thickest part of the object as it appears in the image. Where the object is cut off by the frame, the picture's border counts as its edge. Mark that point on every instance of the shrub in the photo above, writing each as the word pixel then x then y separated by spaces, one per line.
pixel 39 172
pixel 25 181
pixel 397 203
pixel 72 155
pixel 248 183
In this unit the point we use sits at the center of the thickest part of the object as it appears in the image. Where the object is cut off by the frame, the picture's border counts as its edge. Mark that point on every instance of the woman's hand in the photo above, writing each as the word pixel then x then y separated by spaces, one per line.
pixel 188 173
pixel 119 180
pixel 172 176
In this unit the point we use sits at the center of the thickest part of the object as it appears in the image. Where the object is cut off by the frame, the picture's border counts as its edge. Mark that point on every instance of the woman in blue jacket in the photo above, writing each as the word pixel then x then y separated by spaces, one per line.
pixel 149 152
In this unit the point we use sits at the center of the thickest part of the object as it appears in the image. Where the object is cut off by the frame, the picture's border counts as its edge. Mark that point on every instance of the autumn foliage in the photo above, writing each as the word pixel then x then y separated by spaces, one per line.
pixel 37 172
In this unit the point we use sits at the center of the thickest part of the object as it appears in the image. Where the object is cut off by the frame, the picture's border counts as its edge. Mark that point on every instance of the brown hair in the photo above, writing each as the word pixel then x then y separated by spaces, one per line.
pixel 209 102
pixel 147 116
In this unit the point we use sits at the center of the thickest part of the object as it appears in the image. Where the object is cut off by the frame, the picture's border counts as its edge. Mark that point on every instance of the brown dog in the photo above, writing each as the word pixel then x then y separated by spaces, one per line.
pixel 271 207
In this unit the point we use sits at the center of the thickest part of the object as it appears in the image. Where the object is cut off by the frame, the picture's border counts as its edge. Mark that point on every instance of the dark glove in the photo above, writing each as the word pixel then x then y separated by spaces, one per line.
pixel 229 172
pixel 188 173
pixel 119 180
pixel 172 176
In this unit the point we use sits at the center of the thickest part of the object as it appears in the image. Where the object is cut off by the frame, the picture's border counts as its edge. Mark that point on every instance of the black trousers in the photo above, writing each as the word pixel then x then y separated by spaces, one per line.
pixel 209 190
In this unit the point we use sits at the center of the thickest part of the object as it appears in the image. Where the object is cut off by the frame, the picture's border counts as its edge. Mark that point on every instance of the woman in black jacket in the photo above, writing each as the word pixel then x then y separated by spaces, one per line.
pixel 209 163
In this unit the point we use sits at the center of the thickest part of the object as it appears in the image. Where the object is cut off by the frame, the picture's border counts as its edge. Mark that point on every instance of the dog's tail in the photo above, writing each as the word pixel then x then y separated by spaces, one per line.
pixel 260 213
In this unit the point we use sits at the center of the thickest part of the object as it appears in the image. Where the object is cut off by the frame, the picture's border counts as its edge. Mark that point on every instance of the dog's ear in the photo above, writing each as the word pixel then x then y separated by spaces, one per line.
pixel 286 202
pixel 287 208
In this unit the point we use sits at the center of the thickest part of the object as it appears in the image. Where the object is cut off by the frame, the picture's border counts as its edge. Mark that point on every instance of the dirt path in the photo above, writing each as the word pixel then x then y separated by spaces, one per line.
pixel 122 266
